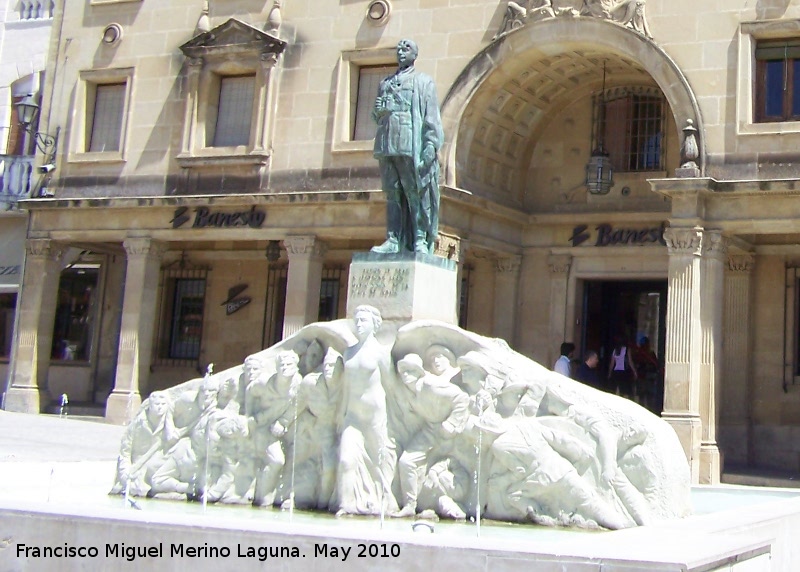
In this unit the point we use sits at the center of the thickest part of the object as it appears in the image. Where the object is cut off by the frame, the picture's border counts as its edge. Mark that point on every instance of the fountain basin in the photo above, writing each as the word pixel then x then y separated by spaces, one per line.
pixel 63 505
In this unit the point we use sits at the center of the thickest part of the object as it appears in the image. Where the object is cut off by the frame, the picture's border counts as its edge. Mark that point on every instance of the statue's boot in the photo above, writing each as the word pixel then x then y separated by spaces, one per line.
pixel 421 242
pixel 391 246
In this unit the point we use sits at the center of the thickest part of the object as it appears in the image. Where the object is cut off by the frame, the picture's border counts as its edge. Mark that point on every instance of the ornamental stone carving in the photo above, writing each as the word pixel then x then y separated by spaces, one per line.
pixel 627 13
pixel 143 247
pixel 741 263
pixel 432 421
pixel 508 264
pixel 683 240
pixel 559 263
pixel 715 245
pixel 308 245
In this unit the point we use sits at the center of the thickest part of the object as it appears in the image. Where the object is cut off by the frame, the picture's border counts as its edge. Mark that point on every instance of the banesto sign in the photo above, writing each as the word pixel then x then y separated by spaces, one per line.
pixel 608 235
pixel 205 217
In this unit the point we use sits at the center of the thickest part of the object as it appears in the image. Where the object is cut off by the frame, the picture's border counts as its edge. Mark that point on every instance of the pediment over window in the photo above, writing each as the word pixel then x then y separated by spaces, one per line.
pixel 233 37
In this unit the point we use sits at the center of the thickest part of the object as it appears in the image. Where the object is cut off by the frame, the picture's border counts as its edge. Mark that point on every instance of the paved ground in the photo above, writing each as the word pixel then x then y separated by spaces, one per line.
pixel 25 437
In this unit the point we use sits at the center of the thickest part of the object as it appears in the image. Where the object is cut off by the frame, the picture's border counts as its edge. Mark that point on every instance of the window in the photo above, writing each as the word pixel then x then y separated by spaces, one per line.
pixel 369 78
pixel 360 73
pixel 329 293
pixel 231 96
pixel 463 296
pixel 631 128
pixel 8 304
pixel 234 112
pixel 75 313
pixel 105 122
pixel 180 331
pixel 186 331
pixel 277 278
pixel 101 116
pixel 777 82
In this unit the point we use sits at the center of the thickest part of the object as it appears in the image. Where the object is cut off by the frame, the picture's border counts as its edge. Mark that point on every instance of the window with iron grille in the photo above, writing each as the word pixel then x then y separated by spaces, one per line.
pixel 631 129
pixel 329 293
pixel 8 305
pixel 275 304
pixel 777 81
pixel 463 301
pixel 181 325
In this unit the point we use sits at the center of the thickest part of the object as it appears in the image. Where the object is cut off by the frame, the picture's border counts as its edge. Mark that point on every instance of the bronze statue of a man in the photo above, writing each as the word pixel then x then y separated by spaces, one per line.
pixel 407 142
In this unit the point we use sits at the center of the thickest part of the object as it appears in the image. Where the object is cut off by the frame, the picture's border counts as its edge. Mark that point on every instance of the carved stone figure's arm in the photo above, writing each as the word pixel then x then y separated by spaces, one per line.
pixel 459 415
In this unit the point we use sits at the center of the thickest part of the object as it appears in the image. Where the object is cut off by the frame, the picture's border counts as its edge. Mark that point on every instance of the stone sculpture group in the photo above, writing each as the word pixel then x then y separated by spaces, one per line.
pixel 440 421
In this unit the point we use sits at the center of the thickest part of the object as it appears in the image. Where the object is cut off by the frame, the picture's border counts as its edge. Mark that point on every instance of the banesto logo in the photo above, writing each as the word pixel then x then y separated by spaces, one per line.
pixel 608 235
pixel 205 217
pixel 579 235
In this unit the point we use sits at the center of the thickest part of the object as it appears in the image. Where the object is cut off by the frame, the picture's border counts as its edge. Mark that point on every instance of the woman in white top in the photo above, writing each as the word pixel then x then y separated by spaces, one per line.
pixel 621 371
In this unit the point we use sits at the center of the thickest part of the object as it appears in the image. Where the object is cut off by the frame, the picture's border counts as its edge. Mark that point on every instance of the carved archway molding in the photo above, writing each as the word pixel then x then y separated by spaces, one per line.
pixel 547 36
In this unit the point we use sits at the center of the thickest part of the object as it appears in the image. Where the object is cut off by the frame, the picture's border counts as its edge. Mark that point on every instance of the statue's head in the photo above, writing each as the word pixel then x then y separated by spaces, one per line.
pixel 253 367
pixel 287 362
pixel 410 368
pixel 439 359
pixel 407 52
pixel 158 403
pixel 332 364
pixel 207 393
pixel 367 320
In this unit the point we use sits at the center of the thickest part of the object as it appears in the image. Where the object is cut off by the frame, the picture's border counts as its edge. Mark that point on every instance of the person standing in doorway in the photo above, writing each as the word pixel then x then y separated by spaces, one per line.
pixel 563 364
pixel 621 371
pixel 586 371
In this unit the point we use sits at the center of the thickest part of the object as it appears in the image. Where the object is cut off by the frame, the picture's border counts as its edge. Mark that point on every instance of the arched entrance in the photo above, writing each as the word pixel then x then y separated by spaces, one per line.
pixel 533 71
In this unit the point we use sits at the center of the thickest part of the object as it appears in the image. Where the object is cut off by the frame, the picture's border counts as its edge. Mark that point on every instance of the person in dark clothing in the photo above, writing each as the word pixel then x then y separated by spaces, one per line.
pixel 586 371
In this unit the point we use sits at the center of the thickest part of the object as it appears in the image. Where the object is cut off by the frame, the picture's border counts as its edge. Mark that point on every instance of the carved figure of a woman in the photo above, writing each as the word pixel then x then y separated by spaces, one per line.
pixel 366 455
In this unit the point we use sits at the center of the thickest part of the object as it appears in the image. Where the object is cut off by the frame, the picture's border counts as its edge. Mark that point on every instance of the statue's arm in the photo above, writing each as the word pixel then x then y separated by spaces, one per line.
pixel 432 134
pixel 459 415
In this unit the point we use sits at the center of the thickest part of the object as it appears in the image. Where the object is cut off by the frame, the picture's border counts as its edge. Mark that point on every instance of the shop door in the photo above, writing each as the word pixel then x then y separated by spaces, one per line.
pixel 632 310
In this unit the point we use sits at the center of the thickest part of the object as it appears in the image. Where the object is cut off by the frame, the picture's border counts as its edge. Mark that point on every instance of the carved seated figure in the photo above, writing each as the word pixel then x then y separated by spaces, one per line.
pixel 186 430
pixel 143 447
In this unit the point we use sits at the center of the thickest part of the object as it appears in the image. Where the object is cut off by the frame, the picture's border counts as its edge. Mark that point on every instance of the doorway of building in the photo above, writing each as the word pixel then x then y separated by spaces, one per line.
pixel 630 310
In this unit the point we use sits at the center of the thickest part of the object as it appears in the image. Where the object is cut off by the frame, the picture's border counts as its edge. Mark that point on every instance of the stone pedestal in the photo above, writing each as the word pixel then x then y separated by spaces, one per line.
pixel 404 287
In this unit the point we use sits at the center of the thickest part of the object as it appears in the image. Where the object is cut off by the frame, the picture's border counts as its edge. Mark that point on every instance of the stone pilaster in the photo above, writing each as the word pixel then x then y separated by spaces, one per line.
pixel 694 336
pixel 306 254
pixel 712 264
pixel 505 297
pixel 481 314
pixel 136 328
pixel 31 351
pixel 559 265
pixel 736 390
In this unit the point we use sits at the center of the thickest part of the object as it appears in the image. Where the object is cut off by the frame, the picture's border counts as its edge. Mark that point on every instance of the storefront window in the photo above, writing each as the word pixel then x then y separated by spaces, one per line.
pixel 75 314
pixel 8 304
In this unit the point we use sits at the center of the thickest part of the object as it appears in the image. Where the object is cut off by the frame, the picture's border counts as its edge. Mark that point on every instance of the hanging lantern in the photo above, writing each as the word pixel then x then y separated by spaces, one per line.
pixel 273 252
pixel 599 173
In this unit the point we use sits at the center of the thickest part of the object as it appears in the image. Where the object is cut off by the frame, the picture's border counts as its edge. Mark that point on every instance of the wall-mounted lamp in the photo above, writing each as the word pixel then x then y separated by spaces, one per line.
pixel 273 251
pixel 599 172
pixel 27 110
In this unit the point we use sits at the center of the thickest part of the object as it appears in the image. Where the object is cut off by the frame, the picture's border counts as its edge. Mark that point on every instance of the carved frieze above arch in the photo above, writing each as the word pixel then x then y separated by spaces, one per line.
pixel 627 13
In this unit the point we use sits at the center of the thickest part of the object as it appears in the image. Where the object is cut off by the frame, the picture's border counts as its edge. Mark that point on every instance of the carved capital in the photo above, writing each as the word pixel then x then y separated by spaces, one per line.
pixel 144 247
pixel 305 245
pixel 685 241
pixel 715 245
pixel 269 59
pixel 449 246
pixel 508 264
pixel 741 263
pixel 559 263
pixel 38 246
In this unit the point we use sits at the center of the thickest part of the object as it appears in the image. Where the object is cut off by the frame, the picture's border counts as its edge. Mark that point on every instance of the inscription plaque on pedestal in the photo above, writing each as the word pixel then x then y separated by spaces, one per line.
pixel 405 286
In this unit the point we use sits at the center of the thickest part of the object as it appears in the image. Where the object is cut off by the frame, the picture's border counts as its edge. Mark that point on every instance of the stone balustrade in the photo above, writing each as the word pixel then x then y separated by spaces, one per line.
pixel 36 9
pixel 16 177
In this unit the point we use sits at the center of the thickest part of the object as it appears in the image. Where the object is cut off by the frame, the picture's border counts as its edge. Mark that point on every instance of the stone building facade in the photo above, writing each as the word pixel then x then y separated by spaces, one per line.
pixel 216 176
